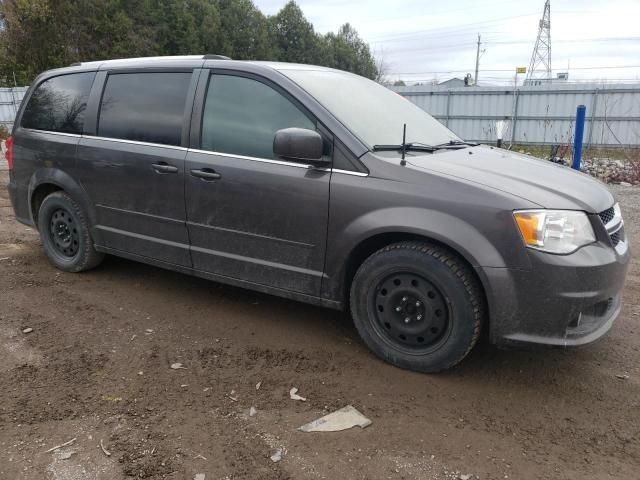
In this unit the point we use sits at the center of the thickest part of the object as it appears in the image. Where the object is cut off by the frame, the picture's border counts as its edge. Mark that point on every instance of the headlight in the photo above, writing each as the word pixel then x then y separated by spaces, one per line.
pixel 554 231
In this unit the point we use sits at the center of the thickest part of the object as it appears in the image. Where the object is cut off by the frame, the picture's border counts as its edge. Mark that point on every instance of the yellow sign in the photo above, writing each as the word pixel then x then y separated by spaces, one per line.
pixel 521 69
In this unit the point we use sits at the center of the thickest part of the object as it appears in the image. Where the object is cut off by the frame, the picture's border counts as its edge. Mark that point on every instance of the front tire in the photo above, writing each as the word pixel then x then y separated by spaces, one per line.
pixel 65 234
pixel 417 306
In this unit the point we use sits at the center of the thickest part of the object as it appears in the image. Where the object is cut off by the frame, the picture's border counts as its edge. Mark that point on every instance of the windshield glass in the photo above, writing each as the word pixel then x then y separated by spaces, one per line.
pixel 370 111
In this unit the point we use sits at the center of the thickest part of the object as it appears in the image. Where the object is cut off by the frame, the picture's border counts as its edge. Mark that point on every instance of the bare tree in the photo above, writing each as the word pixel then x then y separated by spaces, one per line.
pixel 382 66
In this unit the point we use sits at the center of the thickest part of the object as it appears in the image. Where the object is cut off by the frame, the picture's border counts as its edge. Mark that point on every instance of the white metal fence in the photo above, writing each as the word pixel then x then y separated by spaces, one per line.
pixel 535 114
pixel 10 99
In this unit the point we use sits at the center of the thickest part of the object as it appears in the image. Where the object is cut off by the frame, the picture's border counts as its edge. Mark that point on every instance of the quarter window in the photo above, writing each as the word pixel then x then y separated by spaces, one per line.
pixel 147 107
pixel 59 104
pixel 242 116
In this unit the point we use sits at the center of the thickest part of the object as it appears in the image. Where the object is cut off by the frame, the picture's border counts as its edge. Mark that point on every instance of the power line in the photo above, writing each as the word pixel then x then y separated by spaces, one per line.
pixel 462 27
pixel 465 45
pixel 605 67
pixel 457 28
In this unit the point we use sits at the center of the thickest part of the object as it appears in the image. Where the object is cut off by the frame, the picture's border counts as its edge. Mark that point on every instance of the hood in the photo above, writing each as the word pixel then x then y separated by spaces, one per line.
pixel 538 181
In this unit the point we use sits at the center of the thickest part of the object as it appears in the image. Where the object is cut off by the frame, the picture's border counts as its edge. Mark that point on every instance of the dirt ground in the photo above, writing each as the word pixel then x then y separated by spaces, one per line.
pixel 96 367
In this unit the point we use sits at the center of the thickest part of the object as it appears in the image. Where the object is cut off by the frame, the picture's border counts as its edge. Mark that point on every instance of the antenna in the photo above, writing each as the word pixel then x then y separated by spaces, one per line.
pixel 540 66
pixel 403 162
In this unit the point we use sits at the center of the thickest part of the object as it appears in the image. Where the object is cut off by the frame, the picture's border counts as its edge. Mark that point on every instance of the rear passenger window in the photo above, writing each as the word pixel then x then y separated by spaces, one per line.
pixel 242 116
pixel 59 104
pixel 147 107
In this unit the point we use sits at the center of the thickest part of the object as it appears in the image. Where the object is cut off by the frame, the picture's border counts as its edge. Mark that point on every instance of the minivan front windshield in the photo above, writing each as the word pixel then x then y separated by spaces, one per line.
pixel 371 112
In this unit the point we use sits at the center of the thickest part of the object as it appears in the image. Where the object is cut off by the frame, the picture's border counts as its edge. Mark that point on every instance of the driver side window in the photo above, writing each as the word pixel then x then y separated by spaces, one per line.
pixel 242 115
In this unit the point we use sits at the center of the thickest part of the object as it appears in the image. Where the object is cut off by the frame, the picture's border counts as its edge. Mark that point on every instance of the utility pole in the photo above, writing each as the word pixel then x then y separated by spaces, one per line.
pixel 477 61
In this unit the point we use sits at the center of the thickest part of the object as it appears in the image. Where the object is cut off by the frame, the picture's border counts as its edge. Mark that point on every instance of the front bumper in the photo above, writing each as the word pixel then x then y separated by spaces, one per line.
pixel 564 300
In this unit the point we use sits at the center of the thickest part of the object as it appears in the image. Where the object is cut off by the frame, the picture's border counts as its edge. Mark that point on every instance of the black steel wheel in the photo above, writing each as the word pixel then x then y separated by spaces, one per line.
pixel 410 312
pixel 65 233
pixel 417 306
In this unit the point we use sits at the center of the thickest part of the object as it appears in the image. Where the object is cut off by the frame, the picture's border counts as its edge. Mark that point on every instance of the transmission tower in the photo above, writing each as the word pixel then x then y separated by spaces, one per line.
pixel 540 66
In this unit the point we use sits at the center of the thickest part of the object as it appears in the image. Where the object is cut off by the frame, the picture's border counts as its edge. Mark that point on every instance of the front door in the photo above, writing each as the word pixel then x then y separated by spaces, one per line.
pixel 251 216
pixel 133 170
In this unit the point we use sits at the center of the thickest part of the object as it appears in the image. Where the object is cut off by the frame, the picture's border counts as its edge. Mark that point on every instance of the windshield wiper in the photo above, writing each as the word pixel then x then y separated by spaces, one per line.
pixel 423 147
pixel 407 146
pixel 456 143
pixel 420 147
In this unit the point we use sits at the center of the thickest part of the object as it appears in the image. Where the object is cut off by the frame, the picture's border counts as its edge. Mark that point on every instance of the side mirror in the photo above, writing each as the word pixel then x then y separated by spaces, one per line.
pixel 298 144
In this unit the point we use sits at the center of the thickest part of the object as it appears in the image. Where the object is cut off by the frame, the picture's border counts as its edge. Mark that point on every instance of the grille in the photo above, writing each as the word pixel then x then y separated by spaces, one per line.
pixel 607 215
pixel 617 237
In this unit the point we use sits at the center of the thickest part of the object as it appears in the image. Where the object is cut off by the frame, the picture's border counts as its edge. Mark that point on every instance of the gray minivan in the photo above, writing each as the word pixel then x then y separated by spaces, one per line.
pixel 320 186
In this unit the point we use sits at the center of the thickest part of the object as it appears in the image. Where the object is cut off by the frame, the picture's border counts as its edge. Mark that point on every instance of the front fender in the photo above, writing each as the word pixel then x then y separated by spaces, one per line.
pixel 495 247
pixel 459 235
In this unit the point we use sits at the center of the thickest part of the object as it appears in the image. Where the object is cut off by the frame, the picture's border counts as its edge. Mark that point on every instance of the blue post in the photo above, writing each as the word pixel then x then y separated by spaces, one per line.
pixel 577 143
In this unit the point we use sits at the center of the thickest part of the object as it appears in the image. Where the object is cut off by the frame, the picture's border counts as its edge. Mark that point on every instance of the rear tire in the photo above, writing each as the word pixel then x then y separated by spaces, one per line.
pixel 417 306
pixel 65 234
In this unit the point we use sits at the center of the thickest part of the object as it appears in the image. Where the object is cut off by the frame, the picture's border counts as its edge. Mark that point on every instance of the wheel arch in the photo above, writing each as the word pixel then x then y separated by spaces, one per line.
pixel 369 245
pixel 48 180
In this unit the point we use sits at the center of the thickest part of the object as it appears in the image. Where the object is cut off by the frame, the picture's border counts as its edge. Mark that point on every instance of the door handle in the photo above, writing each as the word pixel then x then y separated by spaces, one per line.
pixel 164 168
pixel 207 174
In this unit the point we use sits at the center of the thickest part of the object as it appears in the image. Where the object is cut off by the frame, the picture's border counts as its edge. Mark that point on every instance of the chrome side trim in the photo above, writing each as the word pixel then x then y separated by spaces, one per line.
pixel 206 152
pixel 135 142
pixel 254 159
pixel 62 134
pixel 349 172
pixel 280 162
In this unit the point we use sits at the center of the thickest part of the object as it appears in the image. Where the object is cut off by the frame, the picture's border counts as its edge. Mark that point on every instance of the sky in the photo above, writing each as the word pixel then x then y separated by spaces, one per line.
pixel 426 40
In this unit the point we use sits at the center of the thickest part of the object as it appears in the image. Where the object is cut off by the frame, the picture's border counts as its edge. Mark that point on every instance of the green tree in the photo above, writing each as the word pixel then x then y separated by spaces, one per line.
pixel 37 35
pixel 347 51
pixel 244 31
pixel 294 37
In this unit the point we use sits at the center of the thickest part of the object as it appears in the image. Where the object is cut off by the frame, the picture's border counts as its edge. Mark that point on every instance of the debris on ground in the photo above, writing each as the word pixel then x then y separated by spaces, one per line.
pixel 253 412
pixel 199 476
pixel 65 444
pixel 466 476
pixel 622 376
pixel 177 366
pixel 104 450
pixel 343 419
pixel 258 385
pixel 293 394
pixel 276 457
pixel 148 331
pixel 64 455
pixel 233 396
pixel 27 330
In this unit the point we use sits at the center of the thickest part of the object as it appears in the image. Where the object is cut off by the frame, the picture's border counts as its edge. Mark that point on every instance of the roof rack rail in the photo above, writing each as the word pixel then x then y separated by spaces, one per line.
pixel 212 56
pixel 76 64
